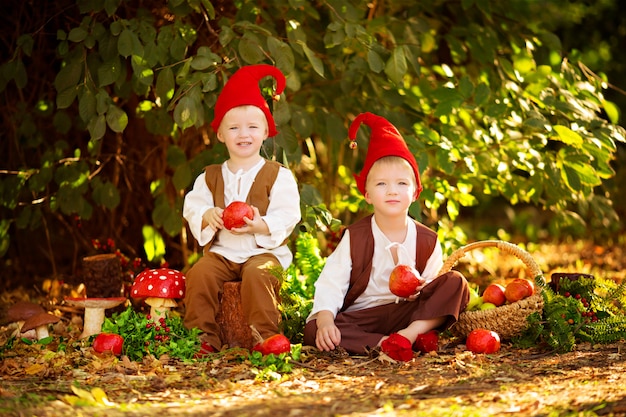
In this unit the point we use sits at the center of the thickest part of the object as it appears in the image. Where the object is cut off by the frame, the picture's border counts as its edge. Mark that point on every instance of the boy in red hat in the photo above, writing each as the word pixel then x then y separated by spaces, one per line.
pixel 353 305
pixel 242 121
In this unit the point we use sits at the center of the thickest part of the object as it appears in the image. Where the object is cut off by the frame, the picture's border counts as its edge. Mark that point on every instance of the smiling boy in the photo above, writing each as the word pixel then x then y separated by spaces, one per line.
pixel 353 306
pixel 243 122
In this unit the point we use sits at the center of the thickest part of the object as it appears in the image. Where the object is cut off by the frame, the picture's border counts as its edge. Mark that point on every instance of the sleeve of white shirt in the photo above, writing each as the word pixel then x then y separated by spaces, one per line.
pixel 197 202
pixel 332 285
pixel 283 211
pixel 434 263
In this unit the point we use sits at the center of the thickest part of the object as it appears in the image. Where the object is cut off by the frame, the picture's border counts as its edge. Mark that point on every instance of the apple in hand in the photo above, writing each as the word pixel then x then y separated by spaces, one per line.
pixel 483 341
pixel 494 294
pixel 518 289
pixel 235 212
pixel 404 281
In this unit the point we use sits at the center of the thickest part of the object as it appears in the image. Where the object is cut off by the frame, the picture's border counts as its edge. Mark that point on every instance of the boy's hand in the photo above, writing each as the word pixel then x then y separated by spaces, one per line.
pixel 417 293
pixel 255 225
pixel 328 336
pixel 213 219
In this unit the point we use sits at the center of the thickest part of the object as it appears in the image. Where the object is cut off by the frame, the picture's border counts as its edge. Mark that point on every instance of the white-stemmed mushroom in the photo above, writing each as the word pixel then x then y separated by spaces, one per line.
pixel 94 312
pixel 39 322
pixel 18 313
pixel 160 288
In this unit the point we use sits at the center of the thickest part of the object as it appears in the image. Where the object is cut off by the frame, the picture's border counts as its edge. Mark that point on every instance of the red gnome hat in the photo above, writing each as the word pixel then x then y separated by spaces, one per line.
pixel 385 140
pixel 242 89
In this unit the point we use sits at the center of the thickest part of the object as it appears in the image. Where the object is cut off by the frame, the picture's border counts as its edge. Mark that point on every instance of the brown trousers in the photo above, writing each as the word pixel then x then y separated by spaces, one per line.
pixel 446 296
pixel 260 292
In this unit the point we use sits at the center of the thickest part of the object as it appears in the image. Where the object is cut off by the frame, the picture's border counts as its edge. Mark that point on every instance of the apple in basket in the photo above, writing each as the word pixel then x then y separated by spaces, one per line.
pixel 494 294
pixel 518 289
pixel 404 281
pixel 483 341
pixel 235 212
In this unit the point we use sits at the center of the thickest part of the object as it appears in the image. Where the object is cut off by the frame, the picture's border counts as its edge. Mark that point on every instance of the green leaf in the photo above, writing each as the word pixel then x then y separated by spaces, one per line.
pixel 318 65
pixel 282 53
pixel 69 75
pixel 182 177
pixel 568 136
pixel 107 195
pixel 66 98
pixel 374 61
pixel 165 85
pixel 109 72
pixel 185 113
pixel 77 34
pixel 481 94
pixel 86 105
pixel 250 50
pixel 178 48
pixel 25 43
pixel 154 245
pixel 5 237
pixel 125 43
pixel 200 62
pixel 116 119
pixel 175 156
pixel 612 111
pixel 396 67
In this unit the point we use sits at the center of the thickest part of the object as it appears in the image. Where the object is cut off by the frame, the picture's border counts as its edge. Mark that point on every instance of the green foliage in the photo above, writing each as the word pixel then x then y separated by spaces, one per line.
pixel 145 337
pixel 271 367
pixel 298 287
pixel 585 309
pixel 111 112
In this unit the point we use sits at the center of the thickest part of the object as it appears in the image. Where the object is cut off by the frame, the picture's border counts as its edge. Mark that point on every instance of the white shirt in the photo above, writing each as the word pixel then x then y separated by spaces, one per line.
pixel 283 214
pixel 331 286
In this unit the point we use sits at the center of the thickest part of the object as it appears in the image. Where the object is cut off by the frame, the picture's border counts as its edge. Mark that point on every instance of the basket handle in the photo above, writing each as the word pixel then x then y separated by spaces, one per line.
pixel 507 247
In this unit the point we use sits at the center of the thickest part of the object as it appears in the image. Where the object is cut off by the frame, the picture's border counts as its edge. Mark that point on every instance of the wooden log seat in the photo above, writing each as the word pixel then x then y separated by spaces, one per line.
pixel 234 329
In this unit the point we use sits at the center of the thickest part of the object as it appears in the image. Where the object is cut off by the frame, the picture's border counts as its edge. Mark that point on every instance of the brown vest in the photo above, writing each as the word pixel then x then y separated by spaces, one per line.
pixel 362 254
pixel 259 195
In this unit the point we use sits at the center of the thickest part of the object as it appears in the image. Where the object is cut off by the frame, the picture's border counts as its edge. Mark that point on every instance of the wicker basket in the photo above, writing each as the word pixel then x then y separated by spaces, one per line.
pixel 508 320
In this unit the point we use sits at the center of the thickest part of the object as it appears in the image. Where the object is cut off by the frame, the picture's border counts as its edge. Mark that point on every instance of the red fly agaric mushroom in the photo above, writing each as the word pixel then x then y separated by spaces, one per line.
pixel 40 323
pixel 94 312
pixel 160 288
pixel 21 311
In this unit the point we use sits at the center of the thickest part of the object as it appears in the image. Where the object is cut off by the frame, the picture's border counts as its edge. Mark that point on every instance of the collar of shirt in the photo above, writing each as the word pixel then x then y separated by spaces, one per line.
pixel 237 185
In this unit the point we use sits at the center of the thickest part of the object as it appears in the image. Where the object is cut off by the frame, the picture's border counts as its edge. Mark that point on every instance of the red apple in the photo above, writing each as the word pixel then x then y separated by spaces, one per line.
pixel 404 281
pixel 518 289
pixel 276 344
pixel 494 293
pixel 529 283
pixel 483 341
pixel 235 212
pixel 427 342
pixel 108 342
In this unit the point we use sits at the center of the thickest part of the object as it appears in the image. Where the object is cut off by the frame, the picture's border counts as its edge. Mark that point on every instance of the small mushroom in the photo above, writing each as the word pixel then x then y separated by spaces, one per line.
pixel 39 322
pixel 160 288
pixel 94 312
pixel 21 311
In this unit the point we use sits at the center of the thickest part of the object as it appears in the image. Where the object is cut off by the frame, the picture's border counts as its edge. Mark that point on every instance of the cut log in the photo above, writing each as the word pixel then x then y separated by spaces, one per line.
pixel 102 275
pixel 234 329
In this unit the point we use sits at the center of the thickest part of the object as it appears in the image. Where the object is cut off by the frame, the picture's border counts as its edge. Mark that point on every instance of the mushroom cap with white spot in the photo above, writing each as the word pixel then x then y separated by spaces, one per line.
pixel 159 283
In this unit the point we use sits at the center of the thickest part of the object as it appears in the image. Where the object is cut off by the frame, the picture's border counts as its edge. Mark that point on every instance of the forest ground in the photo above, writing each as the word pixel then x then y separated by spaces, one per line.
pixel 589 381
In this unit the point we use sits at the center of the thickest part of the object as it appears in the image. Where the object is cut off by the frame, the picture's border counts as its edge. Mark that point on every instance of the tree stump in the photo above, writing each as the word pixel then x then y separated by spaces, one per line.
pixel 102 275
pixel 234 329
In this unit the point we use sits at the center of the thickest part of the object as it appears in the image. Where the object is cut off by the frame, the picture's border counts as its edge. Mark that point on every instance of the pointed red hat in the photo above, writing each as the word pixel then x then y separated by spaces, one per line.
pixel 385 140
pixel 243 89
